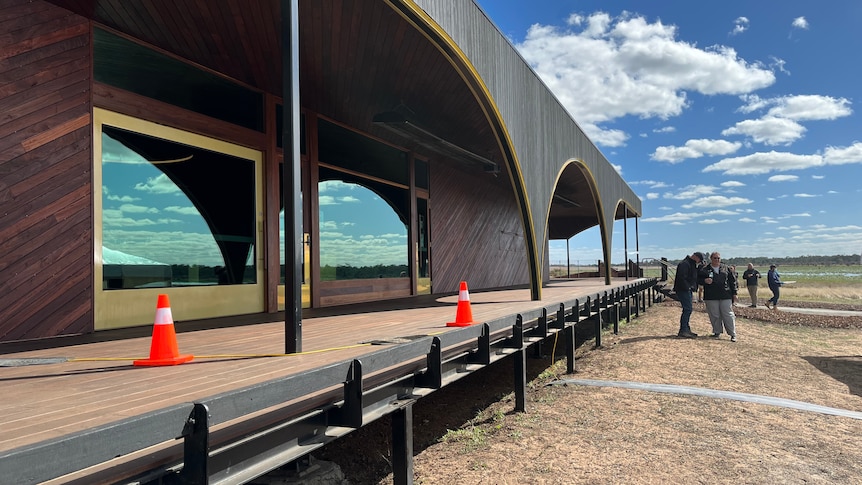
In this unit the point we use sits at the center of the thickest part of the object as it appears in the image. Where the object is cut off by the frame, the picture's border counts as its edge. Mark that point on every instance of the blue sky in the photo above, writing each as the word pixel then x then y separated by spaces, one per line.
pixel 737 123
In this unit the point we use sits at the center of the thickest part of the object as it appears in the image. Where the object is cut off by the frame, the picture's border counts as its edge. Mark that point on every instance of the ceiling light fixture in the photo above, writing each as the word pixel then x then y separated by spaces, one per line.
pixel 400 125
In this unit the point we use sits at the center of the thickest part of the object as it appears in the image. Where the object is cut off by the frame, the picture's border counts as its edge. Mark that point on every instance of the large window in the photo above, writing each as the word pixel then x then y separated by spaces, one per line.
pixel 363 233
pixel 174 214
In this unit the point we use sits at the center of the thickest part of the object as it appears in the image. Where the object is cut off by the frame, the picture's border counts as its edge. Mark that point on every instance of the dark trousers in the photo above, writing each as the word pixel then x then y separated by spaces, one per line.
pixel 685 300
pixel 775 291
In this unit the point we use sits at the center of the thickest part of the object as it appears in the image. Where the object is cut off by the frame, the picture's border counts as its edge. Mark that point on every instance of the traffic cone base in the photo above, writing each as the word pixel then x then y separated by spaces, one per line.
pixel 463 315
pixel 163 347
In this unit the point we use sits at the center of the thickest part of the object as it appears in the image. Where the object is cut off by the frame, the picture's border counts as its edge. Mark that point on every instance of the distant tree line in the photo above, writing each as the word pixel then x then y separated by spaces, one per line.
pixel 348 272
pixel 835 260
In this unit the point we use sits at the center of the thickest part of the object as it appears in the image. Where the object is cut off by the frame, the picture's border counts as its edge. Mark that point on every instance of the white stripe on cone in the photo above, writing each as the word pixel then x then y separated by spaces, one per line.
pixel 163 316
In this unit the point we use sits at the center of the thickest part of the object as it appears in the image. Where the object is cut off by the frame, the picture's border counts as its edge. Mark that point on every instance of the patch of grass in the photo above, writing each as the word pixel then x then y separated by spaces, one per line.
pixel 470 437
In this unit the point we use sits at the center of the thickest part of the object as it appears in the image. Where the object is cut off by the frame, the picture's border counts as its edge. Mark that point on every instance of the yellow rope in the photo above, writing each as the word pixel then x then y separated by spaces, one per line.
pixel 222 356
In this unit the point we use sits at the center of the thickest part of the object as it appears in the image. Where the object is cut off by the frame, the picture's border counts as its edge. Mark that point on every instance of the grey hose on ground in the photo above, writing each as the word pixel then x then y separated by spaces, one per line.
pixel 716 394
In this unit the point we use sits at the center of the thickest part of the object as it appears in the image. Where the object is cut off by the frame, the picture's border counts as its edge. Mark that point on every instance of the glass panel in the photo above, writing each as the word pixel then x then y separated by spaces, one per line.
pixel 424 249
pixel 421 177
pixel 363 233
pixel 174 214
pixel 350 150
pixel 127 65
pixel 306 268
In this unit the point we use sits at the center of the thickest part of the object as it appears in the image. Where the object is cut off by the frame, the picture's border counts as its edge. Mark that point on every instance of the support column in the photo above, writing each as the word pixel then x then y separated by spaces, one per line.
pixel 402 445
pixel 626 238
pixel 520 380
pixel 293 248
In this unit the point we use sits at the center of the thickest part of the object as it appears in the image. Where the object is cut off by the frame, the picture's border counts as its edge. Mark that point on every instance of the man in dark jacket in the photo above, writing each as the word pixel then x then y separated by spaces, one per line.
pixel 751 276
pixel 773 279
pixel 684 283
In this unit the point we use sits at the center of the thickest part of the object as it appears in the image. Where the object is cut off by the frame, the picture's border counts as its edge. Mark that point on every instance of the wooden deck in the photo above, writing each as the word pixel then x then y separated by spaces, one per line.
pixel 47 401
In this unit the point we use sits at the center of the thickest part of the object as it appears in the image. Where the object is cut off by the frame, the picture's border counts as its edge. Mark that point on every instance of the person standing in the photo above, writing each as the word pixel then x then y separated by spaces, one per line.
pixel 773 279
pixel 735 276
pixel 751 276
pixel 700 285
pixel 684 284
pixel 719 288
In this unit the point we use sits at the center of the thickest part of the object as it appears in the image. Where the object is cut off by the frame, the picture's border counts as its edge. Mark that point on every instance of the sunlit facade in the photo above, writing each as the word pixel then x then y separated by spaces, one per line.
pixel 144 157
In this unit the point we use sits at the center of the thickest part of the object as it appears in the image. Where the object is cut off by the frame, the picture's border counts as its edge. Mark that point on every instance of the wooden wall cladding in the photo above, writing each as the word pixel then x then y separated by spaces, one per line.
pixel 46 255
pixel 356 291
pixel 476 235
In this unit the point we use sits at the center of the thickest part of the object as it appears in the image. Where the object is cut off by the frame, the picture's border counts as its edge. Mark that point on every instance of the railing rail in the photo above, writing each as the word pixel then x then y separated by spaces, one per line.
pixel 305 411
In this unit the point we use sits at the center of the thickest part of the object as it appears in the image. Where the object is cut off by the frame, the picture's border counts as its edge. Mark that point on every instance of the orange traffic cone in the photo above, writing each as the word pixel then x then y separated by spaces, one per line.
pixel 464 315
pixel 163 349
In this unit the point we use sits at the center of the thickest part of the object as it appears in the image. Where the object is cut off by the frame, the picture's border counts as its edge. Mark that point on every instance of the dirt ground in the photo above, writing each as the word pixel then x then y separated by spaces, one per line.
pixel 573 434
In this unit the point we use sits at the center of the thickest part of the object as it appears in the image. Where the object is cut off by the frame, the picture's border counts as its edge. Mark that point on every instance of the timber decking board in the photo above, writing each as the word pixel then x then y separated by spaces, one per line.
pixel 47 401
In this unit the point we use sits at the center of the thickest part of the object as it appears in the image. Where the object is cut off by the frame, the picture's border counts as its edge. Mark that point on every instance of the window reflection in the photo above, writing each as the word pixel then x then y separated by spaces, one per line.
pixel 363 231
pixel 174 214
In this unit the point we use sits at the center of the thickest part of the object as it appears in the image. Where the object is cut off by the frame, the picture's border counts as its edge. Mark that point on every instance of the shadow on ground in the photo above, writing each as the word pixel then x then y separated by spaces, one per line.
pixel 843 368
pixel 365 455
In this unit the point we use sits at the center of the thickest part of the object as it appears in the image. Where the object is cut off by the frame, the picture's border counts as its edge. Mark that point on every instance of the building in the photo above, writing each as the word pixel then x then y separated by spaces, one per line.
pixel 141 153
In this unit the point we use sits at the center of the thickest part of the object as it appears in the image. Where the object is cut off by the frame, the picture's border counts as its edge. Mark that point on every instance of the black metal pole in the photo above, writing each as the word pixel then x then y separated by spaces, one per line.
pixel 626 237
pixel 637 248
pixel 291 179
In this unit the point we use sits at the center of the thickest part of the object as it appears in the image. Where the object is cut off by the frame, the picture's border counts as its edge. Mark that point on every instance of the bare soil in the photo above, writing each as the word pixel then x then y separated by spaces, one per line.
pixel 573 434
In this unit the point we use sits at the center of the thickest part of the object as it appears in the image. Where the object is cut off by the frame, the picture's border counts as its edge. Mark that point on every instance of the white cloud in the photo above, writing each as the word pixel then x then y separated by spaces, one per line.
pixel 694 149
pixel 117 198
pixel 760 163
pixel 161 184
pixel 326 200
pixel 740 25
pixel 652 195
pixel 186 211
pixel 675 217
pixel 783 178
pixel 800 23
pixel 810 107
pixel 138 209
pixel 653 184
pixel 732 183
pixel 691 192
pixel 804 196
pixel 768 130
pixel 604 68
pixel 717 201
pixel 799 107
pixel 843 156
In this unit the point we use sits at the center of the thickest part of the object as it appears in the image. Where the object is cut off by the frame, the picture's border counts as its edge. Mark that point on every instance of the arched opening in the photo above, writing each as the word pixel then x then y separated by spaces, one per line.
pixel 573 209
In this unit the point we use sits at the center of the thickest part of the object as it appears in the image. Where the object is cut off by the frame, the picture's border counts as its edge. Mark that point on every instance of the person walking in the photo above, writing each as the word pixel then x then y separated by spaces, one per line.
pixel 773 279
pixel 719 288
pixel 751 276
pixel 684 284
